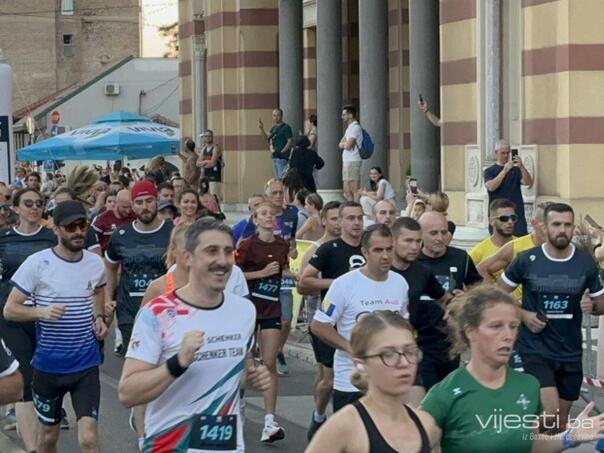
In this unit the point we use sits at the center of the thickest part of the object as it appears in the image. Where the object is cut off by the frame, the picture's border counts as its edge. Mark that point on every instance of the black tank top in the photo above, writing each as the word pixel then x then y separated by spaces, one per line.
pixel 377 444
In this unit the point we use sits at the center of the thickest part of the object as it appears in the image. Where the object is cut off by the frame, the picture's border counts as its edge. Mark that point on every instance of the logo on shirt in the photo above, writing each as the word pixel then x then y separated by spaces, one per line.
pixel 134 344
pixel 89 287
pixel 523 401
pixel 121 232
pixel 457 391
pixel 532 257
pixel 327 307
pixel 355 261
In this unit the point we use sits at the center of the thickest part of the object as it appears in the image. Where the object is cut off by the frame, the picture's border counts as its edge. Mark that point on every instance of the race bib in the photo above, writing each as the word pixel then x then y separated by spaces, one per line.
pixel 267 288
pixel 287 283
pixel 213 432
pixel 48 409
pixel 139 284
pixel 556 306
pixel 446 282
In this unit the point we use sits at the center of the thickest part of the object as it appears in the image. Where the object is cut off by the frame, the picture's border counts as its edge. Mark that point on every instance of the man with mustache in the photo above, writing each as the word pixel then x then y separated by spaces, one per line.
pixel 65 283
pixel 455 271
pixel 559 283
pixel 139 248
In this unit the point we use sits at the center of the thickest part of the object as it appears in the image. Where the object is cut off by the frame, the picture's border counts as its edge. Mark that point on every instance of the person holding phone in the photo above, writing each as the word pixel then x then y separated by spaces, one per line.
pixel 504 179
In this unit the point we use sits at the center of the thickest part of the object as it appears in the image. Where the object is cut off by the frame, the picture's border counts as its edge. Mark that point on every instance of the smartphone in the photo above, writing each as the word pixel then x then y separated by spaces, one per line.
pixel 421 98
pixel 413 185
pixel 592 222
pixel 514 152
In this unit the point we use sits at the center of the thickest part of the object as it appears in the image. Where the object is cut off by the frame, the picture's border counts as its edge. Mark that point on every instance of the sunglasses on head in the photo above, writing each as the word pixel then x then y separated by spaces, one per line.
pixel 81 225
pixel 506 218
pixel 31 203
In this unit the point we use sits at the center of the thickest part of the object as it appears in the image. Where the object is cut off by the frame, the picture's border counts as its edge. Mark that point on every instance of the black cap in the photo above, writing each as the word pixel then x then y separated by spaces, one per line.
pixel 68 212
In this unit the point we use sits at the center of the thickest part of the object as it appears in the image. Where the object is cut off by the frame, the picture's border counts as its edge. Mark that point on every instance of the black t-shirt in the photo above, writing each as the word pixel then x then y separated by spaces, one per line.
pixel 335 258
pixel 510 190
pixel 141 255
pixel 555 287
pixel 453 270
pixel 421 280
pixel 15 247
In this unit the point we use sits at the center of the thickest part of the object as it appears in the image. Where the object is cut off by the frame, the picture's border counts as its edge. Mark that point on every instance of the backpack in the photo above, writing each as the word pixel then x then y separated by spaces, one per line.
pixel 366 147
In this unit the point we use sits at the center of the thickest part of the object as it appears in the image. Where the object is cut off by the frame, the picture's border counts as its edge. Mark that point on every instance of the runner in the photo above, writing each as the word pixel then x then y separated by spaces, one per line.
pixel 473 407
pixel 139 248
pixel 107 222
pixel 11 382
pixel 331 260
pixel 323 383
pixel 385 358
pixel 16 244
pixel 245 228
pixel 65 284
pixel 372 287
pixel 264 260
pixel 502 217
pixel 559 282
pixel 407 234
pixel 455 271
pixel 188 352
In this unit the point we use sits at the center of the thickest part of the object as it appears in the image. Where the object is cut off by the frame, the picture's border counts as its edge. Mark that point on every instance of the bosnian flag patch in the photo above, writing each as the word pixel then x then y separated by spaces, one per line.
pixel 327 307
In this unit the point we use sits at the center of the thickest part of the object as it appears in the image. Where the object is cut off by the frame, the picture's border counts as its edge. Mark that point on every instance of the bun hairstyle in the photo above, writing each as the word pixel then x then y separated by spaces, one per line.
pixel 363 332
pixel 81 180
pixel 467 313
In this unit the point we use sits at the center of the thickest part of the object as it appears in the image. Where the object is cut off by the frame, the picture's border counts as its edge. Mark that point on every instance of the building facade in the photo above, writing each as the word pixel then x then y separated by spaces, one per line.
pixel 529 71
pixel 53 44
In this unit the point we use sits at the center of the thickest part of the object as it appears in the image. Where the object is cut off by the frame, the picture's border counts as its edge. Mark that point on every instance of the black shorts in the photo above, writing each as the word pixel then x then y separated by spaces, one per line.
pixel 271 323
pixel 341 399
pixel 433 369
pixel 567 377
pixel 323 352
pixel 20 338
pixel 50 388
pixel 126 331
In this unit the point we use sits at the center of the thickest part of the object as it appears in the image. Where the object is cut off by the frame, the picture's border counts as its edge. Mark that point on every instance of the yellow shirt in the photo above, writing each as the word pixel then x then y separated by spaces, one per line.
pixel 483 250
pixel 523 243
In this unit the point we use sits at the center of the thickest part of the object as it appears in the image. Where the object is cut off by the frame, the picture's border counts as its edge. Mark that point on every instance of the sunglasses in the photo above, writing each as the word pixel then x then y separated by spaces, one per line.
pixel 31 203
pixel 81 225
pixel 506 218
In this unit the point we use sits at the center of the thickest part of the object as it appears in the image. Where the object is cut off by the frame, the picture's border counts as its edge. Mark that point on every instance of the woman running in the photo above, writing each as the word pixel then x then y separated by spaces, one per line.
pixel 264 259
pixel 16 244
pixel 188 202
pixel 385 356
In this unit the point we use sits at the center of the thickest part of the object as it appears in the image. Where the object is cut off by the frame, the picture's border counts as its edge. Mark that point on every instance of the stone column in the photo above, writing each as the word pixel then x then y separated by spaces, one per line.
pixel 329 92
pixel 199 87
pixel 373 80
pixel 492 96
pixel 424 68
pixel 290 63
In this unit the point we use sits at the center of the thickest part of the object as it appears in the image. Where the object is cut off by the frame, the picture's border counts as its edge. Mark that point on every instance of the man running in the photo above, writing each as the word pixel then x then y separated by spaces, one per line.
pixel 189 350
pixel 139 247
pixel 372 287
pixel 502 217
pixel 407 234
pixel 331 260
pixel 106 223
pixel 65 284
pixel 455 271
pixel 559 282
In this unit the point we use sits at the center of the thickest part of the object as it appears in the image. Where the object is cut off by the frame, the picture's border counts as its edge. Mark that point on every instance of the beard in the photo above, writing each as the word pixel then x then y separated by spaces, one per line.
pixel 504 233
pixel 560 242
pixel 147 217
pixel 70 244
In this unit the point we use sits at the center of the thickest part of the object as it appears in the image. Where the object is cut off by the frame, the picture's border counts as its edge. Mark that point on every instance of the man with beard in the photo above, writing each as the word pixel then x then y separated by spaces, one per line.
pixel 106 223
pixel 558 282
pixel 455 271
pixel 502 218
pixel 139 248
pixel 65 283
pixel 407 234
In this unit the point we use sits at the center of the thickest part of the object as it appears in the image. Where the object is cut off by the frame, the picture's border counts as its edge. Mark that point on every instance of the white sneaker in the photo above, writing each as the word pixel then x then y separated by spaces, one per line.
pixel 272 432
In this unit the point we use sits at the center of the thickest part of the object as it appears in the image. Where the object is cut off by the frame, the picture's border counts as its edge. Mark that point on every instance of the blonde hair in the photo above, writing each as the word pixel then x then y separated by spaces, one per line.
pixel 177 241
pixel 439 202
pixel 467 312
pixel 367 327
pixel 260 205
pixel 81 180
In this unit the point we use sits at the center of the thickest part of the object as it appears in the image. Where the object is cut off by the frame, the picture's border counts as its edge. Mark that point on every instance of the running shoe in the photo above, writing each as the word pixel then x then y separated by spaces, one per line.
pixel 314 426
pixel 64 421
pixel 9 423
pixel 282 368
pixel 272 432
pixel 120 350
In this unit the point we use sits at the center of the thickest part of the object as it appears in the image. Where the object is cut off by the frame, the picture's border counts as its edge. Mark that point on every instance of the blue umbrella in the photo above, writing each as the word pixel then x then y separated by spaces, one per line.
pixel 112 137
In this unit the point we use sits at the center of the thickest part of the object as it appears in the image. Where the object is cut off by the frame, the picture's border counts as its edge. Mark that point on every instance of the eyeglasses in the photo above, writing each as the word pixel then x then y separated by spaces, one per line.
pixel 31 203
pixel 81 225
pixel 393 358
pixel 506 218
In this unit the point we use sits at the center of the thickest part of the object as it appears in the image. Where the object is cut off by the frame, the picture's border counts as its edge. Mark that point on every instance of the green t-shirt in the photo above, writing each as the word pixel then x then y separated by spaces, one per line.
pixel 475 418
pixel 279 135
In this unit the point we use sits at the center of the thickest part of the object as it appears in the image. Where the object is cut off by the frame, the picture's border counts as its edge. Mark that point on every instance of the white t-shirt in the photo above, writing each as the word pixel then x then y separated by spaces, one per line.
pixel 389 193
pixel 350 296
pixel 210 386
pixel 353 131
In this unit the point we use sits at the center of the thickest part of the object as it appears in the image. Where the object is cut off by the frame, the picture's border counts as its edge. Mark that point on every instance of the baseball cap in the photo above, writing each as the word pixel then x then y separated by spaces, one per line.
pixel 143 188
pixel 166 204
pixel 68 212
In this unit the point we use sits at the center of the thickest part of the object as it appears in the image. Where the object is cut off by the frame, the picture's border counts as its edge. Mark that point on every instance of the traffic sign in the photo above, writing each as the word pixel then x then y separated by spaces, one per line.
pixel 55 117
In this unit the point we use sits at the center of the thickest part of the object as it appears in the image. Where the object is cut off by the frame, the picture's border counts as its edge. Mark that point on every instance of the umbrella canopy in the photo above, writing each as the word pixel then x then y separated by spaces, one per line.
pixel 111 137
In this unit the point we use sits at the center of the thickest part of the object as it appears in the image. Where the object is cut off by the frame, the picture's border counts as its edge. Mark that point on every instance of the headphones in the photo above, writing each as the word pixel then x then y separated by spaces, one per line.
pixel 360 367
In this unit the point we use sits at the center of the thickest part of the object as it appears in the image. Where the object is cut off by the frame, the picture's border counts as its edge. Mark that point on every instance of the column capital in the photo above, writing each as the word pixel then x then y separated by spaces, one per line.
pixel 199 46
